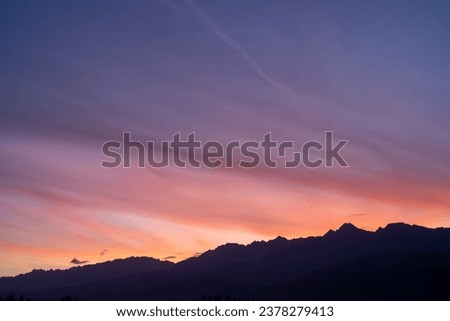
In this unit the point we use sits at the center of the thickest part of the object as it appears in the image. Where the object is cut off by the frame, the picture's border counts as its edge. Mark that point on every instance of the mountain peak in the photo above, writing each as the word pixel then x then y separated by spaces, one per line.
pixel 398 225
pixel 348 230
pixel 279 239
pixel 401 227
pixel 348 227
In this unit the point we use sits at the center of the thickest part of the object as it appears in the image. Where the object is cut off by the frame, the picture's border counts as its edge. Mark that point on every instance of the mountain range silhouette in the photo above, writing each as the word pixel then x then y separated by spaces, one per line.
pixel 397 262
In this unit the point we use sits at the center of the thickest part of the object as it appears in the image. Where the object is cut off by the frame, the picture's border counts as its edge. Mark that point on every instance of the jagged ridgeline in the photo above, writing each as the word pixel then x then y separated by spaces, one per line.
pixel 398 262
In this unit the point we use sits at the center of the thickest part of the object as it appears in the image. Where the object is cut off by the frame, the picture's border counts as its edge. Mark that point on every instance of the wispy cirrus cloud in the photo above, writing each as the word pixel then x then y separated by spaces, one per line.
pixel 239 49
pixel 155 69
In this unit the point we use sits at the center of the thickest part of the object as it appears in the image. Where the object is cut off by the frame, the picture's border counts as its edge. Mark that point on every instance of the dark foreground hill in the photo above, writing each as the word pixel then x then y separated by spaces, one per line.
pixel 394 276
pixel 39 279
pixel 398 262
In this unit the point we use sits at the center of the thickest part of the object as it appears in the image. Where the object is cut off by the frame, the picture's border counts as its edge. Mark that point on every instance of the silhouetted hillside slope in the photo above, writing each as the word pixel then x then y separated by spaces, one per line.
pixel 399 276
pixel 40 279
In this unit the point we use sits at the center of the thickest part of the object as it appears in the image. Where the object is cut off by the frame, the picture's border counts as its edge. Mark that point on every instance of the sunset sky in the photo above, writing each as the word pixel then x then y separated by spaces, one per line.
pixel 75 74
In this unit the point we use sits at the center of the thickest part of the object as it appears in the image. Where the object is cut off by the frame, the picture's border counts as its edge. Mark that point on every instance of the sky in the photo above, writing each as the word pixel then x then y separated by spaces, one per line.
pixel 75 74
